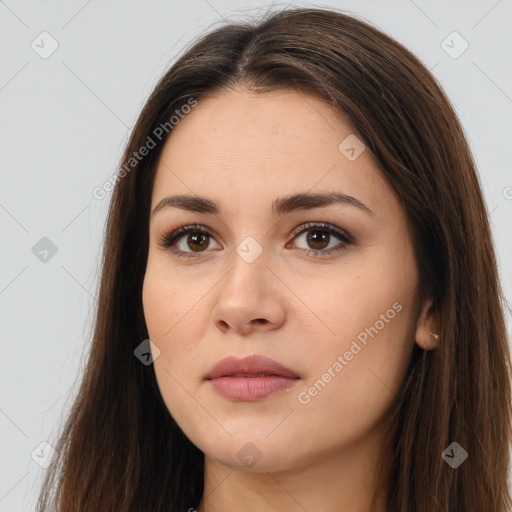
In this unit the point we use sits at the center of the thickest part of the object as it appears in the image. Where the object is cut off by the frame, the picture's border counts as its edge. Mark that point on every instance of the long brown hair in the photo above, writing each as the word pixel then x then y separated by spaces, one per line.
pixel 121 450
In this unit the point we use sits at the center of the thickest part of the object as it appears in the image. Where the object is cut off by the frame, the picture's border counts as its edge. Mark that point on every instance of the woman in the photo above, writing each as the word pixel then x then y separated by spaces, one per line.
pixel 300 307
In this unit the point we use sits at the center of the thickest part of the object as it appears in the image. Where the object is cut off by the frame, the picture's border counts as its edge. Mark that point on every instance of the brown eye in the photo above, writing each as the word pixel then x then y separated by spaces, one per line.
pixel 317 240
pixel 199 240
pixel 319 237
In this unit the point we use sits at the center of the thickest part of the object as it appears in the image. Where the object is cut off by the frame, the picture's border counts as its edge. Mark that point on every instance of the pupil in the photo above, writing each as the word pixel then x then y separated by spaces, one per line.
pixel 312 239
pixel 195 237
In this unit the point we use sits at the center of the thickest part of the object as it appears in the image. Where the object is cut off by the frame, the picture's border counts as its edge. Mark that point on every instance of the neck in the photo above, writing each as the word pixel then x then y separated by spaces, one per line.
pixel 342 481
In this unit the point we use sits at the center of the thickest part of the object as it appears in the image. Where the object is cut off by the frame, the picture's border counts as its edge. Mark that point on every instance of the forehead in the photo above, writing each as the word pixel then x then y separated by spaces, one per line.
pixel 242 146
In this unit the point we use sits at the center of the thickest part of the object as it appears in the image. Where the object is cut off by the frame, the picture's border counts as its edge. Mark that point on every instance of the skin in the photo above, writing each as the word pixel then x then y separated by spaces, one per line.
pixel 244 150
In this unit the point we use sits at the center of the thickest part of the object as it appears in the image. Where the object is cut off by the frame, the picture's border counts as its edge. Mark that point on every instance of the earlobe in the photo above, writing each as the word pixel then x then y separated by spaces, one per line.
pixel 426 336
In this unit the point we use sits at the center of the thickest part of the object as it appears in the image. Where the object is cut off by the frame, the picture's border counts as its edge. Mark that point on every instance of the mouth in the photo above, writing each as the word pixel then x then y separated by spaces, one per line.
pixel 251 378
pixel 251 375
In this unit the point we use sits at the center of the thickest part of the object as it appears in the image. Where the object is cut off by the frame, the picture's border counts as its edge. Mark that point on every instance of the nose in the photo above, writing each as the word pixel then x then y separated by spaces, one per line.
pixel 250 297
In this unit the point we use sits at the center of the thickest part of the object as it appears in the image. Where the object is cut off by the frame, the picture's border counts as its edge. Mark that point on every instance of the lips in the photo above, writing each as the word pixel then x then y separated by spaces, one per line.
pixel 250 366
pixel 250 379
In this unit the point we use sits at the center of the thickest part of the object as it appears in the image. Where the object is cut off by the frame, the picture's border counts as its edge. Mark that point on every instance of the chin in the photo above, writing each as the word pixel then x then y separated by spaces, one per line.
pixel 250 451
pixel 253 457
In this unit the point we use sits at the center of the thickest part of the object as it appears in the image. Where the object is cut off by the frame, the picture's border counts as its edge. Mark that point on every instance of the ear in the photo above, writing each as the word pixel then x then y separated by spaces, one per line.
pixel 427 335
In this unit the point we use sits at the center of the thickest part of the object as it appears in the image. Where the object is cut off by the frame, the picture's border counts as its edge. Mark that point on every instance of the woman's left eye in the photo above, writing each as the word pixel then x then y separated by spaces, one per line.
pixel 319 238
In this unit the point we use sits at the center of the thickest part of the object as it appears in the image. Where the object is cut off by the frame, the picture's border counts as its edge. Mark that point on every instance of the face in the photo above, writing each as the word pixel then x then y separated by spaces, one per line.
pixel 327 290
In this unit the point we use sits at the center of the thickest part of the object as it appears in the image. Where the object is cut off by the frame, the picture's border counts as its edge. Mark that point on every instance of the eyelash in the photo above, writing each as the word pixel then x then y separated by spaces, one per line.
pixel 167 240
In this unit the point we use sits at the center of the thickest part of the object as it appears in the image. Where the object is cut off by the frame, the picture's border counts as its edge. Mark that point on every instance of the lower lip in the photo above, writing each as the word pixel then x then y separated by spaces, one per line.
pixel 250 389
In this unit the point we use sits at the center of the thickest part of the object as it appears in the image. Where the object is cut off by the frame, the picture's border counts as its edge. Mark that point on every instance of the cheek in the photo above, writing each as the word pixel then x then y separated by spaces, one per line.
pixel 353 384
pixel 159 306
pixel 367 316
pixel 352 298
pixel 165 317
pixel 166 302
pixel 171 312
pixel 164 320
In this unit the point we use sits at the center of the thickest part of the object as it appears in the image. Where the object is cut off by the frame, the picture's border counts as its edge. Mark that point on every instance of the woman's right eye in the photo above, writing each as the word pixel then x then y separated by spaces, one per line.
pixel 197 235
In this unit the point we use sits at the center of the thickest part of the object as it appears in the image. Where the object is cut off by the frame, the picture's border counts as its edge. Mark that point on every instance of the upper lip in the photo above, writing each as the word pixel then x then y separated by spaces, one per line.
pixel 254 364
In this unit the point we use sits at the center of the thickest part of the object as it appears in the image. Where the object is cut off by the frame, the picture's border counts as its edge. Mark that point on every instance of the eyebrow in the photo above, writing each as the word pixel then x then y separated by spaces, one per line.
pixel 280 206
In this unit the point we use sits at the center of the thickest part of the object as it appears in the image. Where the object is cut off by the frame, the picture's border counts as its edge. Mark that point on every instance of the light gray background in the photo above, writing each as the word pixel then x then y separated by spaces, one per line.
pixel 65 120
